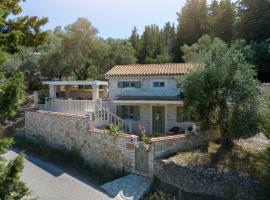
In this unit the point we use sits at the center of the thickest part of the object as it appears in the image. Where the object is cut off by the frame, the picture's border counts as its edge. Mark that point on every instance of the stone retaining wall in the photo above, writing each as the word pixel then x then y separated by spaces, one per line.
pixel 203 180
pixel 70 131
pixel 166 146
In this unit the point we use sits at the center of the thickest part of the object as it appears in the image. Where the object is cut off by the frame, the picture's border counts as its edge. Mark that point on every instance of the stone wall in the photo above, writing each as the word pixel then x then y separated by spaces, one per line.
pixel 203 180
pixel 166 146
pixel 72 131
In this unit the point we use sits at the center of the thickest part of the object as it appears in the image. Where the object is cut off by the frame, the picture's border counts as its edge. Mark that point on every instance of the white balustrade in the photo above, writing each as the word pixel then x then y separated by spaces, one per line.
pixel 99 107
pixel 70 106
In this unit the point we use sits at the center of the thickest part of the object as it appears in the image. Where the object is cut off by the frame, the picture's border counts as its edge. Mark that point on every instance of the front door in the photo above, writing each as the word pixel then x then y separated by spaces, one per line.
pixel 158 119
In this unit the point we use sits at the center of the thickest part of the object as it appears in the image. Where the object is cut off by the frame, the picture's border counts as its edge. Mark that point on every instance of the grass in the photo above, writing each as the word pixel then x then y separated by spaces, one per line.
pixel 70 160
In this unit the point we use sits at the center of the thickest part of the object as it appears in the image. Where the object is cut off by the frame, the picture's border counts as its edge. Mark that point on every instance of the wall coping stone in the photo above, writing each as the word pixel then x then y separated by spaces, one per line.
pixel 60 114
pixel 109 133
pixel 171 137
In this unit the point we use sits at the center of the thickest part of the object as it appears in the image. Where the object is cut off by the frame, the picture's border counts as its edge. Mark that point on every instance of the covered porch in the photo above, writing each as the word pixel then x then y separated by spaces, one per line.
pixel 77 90
pixel 78 97
pixel 159 115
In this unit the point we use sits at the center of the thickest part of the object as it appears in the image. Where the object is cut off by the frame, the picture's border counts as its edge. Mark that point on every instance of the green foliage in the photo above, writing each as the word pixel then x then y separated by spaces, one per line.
pixel 223 92
pixel 222 19
pixel 156 45
pixel 230 191
pixel 77 52
pixel 254 20
pixel 192 21
pixel 10 185
pixel 11 95
pixel 152 44
pixel 117 52
pixel 264 125
pixel 144 138
pixel 115 130
pixel 194 52
pixel 16 32
pixel 263 171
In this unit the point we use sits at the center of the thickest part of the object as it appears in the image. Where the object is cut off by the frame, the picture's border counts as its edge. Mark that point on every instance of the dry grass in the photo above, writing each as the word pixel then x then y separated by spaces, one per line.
pixel 237 159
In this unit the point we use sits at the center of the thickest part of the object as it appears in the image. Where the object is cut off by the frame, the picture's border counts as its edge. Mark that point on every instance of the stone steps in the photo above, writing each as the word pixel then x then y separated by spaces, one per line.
pixel 131 187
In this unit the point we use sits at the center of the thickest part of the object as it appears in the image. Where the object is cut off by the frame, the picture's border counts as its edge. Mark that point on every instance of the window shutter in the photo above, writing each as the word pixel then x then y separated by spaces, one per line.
pixel 136 110
pixel 119 111
pixel 120 84
pixel 138 84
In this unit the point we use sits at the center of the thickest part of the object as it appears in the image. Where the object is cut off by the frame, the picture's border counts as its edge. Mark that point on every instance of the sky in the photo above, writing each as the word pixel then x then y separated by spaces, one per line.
pixel 112 18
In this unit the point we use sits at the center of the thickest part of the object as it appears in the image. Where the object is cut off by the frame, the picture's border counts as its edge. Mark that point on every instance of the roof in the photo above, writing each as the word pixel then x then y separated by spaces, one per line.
pixel 150 69
pixel 159 98
pixel 86 82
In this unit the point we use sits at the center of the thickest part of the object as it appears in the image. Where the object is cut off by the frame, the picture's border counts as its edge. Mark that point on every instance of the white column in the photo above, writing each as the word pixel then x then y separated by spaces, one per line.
pixel 106 91
pixel 95 92
pixel 52 91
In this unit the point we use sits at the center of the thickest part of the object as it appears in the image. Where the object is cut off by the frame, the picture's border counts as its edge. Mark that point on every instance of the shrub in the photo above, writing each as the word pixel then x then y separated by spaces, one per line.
pixel 264 125
pixel 115 129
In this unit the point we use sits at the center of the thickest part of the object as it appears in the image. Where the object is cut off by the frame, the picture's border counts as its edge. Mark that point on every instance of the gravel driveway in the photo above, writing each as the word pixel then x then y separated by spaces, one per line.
pixel 49 182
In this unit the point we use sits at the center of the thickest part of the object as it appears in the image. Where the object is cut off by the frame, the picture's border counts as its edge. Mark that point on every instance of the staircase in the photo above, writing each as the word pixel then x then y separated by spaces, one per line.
pixel 104 117
pixel 130 187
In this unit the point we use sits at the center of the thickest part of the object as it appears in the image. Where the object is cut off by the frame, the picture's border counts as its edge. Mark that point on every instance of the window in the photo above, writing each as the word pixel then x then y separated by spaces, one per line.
pixel 157 84
pixel 129 84
pixel 129 112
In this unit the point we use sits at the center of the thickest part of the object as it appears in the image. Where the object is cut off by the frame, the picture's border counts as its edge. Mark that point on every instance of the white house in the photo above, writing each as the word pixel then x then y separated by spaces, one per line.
pixel 139 94
pixel 149 95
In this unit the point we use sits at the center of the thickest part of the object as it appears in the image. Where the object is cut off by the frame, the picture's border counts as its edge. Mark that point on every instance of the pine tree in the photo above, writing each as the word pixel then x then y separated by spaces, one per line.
pixel 169 35
pixel 192 22
pixel 254 23
pixel 134 38
pixel 152 46
pixel 222 19
pixel 15 33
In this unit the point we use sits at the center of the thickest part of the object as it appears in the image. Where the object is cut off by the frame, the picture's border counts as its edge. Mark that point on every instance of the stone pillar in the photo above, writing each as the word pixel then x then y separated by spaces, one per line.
pixel 151 160
pixel 36 99
pixel 95 92
pixel 52 91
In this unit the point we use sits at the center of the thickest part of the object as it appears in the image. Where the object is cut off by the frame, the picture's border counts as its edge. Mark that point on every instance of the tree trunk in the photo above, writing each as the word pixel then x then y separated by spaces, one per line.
pixel 226 140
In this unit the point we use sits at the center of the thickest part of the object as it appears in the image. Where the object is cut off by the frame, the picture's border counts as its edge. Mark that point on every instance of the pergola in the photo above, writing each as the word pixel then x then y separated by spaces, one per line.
pixel 95 84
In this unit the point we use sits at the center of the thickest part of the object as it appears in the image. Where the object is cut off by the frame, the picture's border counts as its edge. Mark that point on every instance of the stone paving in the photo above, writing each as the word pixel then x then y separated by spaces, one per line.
pixel 131 187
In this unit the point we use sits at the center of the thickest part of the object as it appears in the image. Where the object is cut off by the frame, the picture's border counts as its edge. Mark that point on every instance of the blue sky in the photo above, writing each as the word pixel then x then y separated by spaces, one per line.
pixel 112 18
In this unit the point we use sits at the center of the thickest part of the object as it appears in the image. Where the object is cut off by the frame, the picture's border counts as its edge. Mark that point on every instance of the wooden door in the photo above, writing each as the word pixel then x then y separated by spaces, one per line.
pixel 158 119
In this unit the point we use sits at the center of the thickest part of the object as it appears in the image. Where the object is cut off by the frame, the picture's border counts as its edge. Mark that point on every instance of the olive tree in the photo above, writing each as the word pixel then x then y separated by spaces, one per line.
pixel 222 92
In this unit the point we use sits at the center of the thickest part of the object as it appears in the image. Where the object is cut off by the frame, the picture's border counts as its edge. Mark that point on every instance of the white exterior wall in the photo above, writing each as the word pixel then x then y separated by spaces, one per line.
pixel 146 89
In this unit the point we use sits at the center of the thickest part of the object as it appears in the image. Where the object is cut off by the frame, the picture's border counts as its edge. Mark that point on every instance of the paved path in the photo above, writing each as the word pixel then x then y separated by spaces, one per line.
pixel 130 187
pixel 48 182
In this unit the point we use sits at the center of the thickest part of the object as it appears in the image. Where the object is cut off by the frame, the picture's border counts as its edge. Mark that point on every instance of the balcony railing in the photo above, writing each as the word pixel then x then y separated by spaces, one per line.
pixel 68 106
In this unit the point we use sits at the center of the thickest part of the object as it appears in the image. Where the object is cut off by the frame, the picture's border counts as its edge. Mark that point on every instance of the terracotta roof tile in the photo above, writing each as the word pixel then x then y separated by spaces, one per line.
pixel 150 69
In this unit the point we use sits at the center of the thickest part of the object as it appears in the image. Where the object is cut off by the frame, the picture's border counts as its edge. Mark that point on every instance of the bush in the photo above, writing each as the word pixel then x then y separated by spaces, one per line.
pixel 264 125
pixel 116 130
